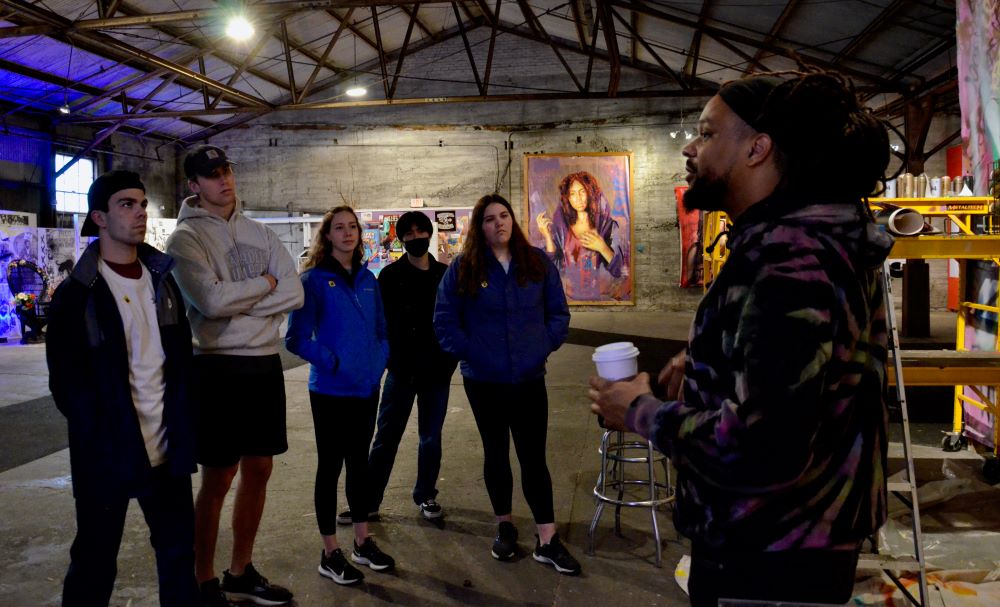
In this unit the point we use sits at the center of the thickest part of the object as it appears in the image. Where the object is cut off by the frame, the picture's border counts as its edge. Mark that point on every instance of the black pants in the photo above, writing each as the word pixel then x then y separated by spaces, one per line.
pixel 803 576
pixel 169 512
pixel 518 411
pixel 344 428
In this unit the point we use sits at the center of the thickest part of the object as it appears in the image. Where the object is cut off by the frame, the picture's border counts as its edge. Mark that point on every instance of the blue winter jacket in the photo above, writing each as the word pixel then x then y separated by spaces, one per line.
pixel 340 330
pixel 505 332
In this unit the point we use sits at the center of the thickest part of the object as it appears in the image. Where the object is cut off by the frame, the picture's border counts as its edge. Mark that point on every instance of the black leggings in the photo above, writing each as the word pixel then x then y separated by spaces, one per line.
pixel 344 428
pixel 521 411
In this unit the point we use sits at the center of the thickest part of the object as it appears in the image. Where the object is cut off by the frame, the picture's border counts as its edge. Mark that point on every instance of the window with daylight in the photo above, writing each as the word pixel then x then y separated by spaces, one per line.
pixel 72 186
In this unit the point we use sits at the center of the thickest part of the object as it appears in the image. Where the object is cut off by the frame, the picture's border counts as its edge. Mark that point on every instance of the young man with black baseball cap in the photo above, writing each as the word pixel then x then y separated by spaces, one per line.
pixel 239 282
pixel 119 352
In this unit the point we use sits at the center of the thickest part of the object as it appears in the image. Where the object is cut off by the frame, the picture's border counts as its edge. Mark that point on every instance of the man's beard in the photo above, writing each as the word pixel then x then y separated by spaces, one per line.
pixel 706 194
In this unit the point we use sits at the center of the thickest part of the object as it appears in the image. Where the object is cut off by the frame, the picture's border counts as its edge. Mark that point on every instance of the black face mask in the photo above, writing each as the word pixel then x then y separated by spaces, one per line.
pixel 417 246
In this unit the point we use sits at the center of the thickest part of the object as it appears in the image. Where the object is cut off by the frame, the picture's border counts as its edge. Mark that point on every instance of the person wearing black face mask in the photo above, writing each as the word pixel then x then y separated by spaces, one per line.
pixel 418 368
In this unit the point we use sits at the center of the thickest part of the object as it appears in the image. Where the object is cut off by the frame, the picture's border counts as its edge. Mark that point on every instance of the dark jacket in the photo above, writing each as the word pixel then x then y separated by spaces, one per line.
pixel 340 330
pixel 780 441
pixel 89 378
pixel 505 332
pixel 408 295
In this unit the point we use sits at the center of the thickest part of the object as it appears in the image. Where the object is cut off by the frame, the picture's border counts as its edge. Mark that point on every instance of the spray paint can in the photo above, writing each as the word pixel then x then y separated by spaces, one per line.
pixel 935 188
pixel 890 189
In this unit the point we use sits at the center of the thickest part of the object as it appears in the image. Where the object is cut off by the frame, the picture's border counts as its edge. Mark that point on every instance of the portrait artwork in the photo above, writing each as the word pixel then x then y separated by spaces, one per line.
pixel 578 209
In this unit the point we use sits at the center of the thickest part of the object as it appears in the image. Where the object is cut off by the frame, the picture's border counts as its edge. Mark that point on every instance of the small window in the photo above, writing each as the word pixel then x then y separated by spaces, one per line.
pixel 72 186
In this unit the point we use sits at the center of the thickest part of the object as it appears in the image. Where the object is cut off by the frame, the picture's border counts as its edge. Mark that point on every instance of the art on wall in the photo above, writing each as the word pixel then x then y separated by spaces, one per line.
pixel 382 246
pixel 52 250
pixel 578 208
pixel 691 227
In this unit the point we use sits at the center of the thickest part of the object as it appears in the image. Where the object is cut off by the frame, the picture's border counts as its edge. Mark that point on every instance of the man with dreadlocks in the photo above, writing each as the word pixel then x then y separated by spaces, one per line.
pixel 775 414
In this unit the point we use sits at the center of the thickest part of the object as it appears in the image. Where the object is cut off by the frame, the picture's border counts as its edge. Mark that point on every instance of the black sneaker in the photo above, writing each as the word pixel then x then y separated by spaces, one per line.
pixel 344 518
pixel 369 554
pixel 505 543
pixel 252 586
pixel 431 510
pixel 555 554
pixel 338 569
pixel 212 596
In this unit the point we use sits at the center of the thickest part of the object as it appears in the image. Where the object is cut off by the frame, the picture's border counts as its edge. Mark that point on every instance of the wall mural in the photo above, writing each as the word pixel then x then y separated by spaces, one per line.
pixel 578 208
pixel 53 250
pixel 978 62
pixel 382 246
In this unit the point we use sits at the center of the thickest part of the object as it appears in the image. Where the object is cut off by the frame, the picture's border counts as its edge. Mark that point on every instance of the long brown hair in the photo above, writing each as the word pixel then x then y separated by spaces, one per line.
pixel 322 248
pixel 472 266
pixel 594 194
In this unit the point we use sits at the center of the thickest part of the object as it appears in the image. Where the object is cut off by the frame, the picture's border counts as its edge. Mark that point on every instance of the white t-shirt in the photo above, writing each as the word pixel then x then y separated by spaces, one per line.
pixel 135 299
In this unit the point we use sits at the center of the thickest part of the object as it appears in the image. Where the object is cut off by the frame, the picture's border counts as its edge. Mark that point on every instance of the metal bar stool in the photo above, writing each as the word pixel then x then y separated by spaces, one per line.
pixel 616 452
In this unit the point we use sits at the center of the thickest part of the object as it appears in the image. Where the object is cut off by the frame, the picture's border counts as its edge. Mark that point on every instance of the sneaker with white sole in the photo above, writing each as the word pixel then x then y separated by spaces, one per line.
pixel 252 586
pixel 431 510
pixel 370 554
pixel 338 569
pixel 555 554
pixel 505 543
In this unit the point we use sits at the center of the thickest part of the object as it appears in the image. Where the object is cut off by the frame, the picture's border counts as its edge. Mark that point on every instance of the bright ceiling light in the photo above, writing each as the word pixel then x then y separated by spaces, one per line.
pixel 688 135
pixel 239 28
pixel 64 108
pixel 673 134
pixel 357 91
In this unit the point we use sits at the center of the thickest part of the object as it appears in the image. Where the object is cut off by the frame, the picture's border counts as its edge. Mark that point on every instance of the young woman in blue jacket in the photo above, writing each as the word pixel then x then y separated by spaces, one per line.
pixel 340 330
pixel 501 310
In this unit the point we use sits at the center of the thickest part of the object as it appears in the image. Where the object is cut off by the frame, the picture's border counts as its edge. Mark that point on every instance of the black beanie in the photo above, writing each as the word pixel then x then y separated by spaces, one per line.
pixel 747 96
pixel 103 188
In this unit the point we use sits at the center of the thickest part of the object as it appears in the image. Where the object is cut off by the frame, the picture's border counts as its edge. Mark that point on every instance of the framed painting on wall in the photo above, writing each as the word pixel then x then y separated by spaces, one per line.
pixel 578 209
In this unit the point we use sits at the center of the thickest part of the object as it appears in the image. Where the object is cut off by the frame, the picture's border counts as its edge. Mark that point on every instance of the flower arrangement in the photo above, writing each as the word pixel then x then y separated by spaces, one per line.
pixel 25 302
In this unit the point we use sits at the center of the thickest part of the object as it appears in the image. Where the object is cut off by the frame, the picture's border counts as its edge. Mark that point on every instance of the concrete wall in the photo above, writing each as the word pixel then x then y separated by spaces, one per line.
pixel 311 168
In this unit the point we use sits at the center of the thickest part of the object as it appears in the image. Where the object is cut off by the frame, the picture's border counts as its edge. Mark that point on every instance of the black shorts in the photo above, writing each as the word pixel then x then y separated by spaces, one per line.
pixel 239 406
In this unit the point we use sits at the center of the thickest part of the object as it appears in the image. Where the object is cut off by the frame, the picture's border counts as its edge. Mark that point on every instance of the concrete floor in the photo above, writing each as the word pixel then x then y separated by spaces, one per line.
pixel 437 564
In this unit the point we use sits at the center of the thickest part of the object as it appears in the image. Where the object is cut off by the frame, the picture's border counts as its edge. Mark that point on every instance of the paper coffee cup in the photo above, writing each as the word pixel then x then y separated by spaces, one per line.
pixel 617 360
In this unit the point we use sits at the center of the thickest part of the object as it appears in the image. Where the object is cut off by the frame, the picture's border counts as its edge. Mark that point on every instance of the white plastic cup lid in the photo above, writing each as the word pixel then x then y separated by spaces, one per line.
pixel 615 351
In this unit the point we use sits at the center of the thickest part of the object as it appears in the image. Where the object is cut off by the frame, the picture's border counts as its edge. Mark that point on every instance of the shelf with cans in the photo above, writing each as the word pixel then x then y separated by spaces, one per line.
pixel 975 375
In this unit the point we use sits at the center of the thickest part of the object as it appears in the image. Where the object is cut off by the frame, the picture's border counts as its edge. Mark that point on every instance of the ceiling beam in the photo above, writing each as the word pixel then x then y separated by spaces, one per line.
pixel 322 60
pixel 381 53
pixel 581 19
pixel 288 60
pixel 257 12
pixel 650 50
pixel 411 13
pixel 331 105
pixel 354 30
pixel 775 48
pixel 402 51
pixel 873 26
pixel 213 46
pixel 779 24
pixel 106 45
pixel 493 42
pixel 694 50
pixel 468 49
pixel 536 26
pixel 103 135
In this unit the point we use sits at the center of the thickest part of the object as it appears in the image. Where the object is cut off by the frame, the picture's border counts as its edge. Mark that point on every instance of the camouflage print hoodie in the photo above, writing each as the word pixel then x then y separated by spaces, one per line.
pixel 780 441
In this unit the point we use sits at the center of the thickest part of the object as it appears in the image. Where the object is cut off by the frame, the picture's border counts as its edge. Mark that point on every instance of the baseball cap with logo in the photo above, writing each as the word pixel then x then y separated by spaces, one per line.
pixel 203 160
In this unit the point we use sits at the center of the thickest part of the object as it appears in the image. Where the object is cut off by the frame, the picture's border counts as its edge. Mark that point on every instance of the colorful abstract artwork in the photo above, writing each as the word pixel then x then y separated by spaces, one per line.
pixel 578 209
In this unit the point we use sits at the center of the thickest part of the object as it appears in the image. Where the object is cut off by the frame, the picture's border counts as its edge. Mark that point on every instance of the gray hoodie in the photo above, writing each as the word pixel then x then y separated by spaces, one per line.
pixel 220 270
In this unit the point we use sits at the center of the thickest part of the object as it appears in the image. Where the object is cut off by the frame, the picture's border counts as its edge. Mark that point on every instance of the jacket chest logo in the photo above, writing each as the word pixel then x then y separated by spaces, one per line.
pixel 484 284
pixel 332 284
